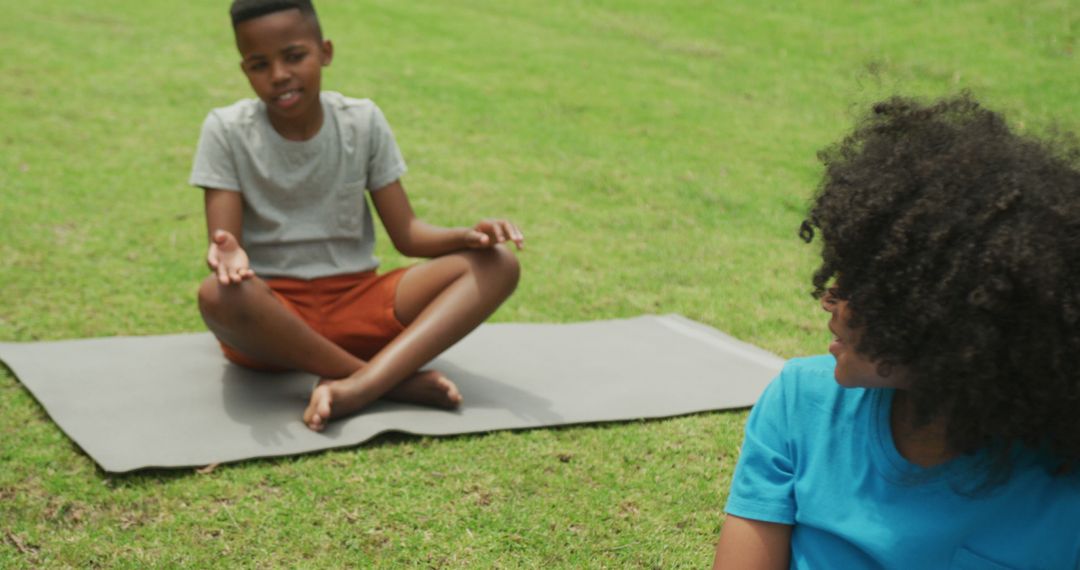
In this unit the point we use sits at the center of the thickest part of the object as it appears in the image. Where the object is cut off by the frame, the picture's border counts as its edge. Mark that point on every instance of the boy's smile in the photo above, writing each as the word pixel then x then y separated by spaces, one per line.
pixel 282 57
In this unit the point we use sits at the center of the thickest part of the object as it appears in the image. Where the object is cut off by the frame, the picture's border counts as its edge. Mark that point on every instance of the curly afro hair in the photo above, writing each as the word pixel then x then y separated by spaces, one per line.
pixel 956 243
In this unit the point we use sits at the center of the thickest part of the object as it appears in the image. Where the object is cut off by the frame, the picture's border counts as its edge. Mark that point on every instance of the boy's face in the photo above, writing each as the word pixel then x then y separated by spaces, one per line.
pixel 853 370
pixel 282 57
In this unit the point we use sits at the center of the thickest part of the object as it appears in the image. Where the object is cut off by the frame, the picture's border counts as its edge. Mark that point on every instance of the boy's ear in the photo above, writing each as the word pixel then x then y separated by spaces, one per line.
pixel 327 52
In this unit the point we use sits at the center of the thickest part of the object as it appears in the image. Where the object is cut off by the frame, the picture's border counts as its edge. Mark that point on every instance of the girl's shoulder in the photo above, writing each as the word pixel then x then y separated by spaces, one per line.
pixel 813 379
pixel 817 367
pixel 806 393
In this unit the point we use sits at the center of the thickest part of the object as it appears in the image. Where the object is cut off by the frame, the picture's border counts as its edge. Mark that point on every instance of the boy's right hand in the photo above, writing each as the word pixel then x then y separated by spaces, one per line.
pixel 488 233
pixel 227 259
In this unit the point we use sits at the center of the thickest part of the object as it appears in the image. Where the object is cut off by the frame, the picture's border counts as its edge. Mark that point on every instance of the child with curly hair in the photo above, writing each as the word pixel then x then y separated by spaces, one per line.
pixel 944 430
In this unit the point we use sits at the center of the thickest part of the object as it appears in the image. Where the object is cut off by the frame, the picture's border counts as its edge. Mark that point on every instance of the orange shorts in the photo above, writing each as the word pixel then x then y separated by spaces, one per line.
pixel 354 311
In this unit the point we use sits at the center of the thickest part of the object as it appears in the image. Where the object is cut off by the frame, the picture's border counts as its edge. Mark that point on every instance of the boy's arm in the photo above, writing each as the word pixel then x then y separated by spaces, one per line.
pixel 224 223
pixel 754 545
pixel 415 238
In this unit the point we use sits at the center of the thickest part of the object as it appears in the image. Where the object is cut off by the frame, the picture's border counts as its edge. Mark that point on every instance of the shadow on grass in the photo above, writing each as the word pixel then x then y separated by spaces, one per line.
pixel 149 477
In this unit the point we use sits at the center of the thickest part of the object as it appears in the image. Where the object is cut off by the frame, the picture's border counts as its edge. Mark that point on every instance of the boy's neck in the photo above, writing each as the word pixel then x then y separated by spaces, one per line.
pixel 924 445
pixel 300 128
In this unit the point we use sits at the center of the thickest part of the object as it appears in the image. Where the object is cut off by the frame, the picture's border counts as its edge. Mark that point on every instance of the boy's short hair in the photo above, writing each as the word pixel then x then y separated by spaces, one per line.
pixel 956 243
pixel 244 10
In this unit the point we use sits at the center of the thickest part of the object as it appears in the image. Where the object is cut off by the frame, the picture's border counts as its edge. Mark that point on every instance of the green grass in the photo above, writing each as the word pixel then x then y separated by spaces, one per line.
pixel 659 156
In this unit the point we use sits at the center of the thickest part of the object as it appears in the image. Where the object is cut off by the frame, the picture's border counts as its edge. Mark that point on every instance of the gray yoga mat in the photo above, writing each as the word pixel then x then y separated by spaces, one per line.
pixel 173 401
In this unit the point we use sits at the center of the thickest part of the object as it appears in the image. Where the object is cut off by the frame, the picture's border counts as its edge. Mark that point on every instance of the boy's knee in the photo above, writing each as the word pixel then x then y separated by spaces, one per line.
pixel 209 295
pixel 506 264
pixel 225 302
pixel 495 266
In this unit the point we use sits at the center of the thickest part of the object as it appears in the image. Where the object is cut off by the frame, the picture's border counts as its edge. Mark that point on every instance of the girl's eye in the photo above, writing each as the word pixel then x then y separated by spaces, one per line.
pixel 295 57
pixel 834 293
pixel 831 298
pixel 258 66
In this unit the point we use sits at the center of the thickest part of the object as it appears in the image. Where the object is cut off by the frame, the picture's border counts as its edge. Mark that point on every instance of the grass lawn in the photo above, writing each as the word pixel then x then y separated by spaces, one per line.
pixel 658 155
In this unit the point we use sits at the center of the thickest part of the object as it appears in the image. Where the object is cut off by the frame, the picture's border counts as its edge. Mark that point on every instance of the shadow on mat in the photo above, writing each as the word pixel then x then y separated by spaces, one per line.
pixel 266 401
pixel 273 403
pixel 483 393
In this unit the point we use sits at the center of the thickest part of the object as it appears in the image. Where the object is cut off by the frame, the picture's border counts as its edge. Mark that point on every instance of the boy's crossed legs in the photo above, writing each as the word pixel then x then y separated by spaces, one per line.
pixel 439 302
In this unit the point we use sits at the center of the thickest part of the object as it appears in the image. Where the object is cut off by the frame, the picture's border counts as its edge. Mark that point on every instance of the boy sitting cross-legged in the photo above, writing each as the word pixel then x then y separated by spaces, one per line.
pixel 291 239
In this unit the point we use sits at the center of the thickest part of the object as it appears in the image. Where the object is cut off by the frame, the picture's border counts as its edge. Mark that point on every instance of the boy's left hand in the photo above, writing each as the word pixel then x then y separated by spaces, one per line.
pixel 487 233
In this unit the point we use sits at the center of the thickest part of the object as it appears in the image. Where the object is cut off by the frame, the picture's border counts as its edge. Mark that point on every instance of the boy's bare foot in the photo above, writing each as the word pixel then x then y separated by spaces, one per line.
pixel 427 388
pixel 318 411
pixel 335 398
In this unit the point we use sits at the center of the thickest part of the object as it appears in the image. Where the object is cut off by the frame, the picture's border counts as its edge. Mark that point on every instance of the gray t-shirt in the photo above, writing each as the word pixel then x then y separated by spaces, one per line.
pixel 305 213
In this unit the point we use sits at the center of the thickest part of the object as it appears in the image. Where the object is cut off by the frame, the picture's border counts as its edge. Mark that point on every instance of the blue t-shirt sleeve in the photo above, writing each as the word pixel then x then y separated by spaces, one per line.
pixel 762 488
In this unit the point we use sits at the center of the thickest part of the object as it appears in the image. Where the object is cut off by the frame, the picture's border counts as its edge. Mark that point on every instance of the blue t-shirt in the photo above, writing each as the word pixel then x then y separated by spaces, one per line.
pixel 821 457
